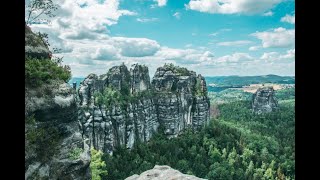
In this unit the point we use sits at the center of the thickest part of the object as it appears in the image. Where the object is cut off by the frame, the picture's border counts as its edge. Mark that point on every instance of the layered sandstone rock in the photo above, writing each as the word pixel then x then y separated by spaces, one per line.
pixel 176 99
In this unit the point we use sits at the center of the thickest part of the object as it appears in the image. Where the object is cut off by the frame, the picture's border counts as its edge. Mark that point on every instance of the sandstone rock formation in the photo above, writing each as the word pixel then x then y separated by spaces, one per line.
pixel 175 99
pixel 54 148
pixel 162 173
pixel 263 101
pixel 122 123
pixel 54 135
pixel 182 99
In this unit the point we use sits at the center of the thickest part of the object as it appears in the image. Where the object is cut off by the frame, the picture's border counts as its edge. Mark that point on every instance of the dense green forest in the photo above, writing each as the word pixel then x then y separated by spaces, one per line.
pixel 228 95
pixel 236 145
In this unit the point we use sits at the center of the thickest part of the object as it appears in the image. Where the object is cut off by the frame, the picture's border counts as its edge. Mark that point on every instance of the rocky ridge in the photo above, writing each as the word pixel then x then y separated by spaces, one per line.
pixel 174 100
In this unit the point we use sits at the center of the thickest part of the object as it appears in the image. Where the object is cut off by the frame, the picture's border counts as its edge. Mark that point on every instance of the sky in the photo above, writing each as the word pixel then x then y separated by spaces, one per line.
pixel 210 37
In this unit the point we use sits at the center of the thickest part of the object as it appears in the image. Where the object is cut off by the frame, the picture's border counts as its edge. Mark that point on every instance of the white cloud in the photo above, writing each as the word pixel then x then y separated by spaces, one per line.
pixel 269 13
pixel 236 57
pixel 185 56
pixel 136 47
pixel 144 20
pixel 88 22
pixel 289 19
pixel 106 53
pixel 234 43
pixel 290 54
pixel 254 48
pixel 214 34
pixel 232 6
pixel 270 56
pixel 244 64
pixel 276 56
pixel 276 38
pixel 219 31
pixel 177 15
pixel 161 2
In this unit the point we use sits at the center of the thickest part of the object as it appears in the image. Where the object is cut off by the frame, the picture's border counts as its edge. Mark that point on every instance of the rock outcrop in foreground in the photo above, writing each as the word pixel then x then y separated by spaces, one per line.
pixel 162 173
pixel 264 100
pixel 135 108
pixel 54 135
pixel 54 148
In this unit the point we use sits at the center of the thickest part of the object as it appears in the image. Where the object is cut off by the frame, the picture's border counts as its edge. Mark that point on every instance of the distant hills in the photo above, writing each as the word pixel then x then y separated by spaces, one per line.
pixel 236 81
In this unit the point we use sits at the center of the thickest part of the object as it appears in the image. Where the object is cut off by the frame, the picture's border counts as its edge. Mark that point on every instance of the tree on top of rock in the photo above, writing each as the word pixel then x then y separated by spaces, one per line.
pixel 36 9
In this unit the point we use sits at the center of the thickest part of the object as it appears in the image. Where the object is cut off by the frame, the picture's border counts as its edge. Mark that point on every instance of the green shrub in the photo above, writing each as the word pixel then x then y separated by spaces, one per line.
pixel 75 153
pixel 181 71
pixel 199 91
pixel 97 166
pixel 40 71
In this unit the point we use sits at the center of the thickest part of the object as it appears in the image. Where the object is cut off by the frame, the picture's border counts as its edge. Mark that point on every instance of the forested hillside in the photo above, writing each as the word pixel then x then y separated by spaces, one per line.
pixel 236 145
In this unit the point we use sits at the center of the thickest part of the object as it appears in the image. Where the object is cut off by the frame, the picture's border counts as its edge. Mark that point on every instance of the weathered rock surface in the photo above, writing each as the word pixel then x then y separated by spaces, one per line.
pixel 162 173
pixel 264 100
pixel 53 135
pixel 173 100
pixel 182 99
pixel 108 127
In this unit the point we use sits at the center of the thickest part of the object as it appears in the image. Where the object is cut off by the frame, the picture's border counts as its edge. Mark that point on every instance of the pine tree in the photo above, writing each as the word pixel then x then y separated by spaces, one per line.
pixel 97 166
pixel 249 170
pixel 280 175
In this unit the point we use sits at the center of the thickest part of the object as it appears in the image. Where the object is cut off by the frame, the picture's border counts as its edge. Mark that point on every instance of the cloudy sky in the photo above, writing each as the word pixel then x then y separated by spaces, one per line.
pixel 211 37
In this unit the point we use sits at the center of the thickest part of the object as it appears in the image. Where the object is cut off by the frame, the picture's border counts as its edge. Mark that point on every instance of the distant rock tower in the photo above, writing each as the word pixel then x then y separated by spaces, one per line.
pixel 263 100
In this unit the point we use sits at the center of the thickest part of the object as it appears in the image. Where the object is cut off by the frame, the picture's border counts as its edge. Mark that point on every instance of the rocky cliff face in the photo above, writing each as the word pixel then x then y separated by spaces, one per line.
pixel 54 145
pixel 162 173
pixel 53 135
pixel 124 121
pixel 182 99
pixel 264 100
pixel 135 108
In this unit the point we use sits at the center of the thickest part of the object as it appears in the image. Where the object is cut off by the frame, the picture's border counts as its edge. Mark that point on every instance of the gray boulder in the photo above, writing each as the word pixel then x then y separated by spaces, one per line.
pixel 162 173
